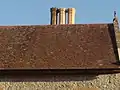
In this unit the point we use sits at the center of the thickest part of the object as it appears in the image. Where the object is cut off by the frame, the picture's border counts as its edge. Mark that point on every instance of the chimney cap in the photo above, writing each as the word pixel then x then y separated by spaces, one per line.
pixel 61 9
pixel 71 8
pixel 53 8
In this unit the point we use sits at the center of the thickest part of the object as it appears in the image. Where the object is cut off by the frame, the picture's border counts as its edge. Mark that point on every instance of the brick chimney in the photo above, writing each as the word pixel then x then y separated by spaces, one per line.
pixel 71 15
pixel 53 16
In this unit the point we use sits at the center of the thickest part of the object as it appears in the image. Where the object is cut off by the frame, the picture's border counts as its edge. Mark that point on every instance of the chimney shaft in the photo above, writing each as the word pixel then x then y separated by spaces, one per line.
pixel 62 15
pixel 71 15
pixel 53 16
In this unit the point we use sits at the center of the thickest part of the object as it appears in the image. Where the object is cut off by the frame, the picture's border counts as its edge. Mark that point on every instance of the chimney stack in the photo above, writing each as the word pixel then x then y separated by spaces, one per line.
pixel 54 13
pixel 62 15
pixel 71 15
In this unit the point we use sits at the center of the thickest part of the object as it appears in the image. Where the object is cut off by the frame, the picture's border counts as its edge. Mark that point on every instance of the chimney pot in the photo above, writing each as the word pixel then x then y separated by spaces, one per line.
pixel 71 15
pixel 54 13
pixel 62 15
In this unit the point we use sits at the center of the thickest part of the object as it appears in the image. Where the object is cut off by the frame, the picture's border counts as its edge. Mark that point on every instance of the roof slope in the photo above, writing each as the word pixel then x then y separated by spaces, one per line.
pixel 77 46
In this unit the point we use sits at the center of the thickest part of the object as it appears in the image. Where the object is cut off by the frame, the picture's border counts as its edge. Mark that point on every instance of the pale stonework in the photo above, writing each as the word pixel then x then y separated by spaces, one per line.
pixel 119 53
pixel 100 82
pixel 53 16
pixel 71 15
pixel 62 16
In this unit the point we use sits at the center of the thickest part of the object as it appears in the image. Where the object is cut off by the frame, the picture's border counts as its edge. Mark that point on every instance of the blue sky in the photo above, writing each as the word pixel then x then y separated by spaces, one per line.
pixel 35 12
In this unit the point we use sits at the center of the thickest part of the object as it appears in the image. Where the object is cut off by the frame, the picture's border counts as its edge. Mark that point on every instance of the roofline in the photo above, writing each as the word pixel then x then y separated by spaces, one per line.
pixel 56 25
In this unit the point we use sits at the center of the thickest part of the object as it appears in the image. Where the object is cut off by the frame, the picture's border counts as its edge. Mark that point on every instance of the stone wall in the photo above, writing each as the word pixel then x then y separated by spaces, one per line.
pixel 103 82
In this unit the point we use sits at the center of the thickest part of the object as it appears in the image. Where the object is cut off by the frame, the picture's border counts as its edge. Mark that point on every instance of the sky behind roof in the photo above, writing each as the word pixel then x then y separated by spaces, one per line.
pixel 35 12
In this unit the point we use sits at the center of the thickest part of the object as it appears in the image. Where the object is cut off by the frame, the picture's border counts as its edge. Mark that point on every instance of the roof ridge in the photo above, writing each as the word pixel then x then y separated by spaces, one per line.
pixel 56 25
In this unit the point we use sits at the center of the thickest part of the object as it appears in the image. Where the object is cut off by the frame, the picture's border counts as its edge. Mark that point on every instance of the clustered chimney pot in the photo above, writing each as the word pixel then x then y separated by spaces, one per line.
pixel 62 15
pixel 53 16
pixel 71 15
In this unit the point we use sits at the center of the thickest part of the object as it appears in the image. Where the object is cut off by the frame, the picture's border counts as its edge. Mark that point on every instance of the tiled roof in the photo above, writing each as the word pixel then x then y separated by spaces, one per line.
pixel 78 46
